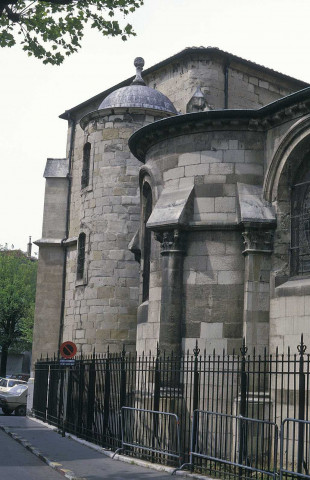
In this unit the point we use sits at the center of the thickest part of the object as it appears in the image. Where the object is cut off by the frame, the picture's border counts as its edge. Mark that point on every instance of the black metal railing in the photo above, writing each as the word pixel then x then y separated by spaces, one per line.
pixel 86 399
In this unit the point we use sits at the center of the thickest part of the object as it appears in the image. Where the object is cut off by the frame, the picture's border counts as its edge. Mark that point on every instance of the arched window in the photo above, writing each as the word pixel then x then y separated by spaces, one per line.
pixel 300 222
pixel 81 257
pixel 86 165
pixel 146 239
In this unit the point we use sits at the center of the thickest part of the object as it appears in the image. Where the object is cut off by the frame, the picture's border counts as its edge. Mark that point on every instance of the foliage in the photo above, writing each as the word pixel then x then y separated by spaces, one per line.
pixel 17 298
pixel 51 30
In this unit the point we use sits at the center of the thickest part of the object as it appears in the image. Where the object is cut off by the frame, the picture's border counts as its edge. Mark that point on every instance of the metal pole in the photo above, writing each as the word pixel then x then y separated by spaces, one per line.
pixel 242 412
pixel 301 407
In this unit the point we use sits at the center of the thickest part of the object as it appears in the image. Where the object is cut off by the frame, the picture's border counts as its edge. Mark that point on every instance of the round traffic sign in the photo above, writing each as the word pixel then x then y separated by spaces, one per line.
pixel 68 349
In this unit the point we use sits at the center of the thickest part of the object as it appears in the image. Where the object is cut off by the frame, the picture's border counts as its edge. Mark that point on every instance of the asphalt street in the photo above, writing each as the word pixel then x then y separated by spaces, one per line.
pixel 17 463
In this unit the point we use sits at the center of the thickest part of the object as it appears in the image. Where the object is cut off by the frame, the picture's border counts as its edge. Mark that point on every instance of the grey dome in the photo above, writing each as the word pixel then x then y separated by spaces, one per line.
pixel 138 96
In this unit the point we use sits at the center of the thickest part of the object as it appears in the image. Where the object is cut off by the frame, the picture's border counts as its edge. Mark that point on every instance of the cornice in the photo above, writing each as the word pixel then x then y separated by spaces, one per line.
pixel 286 109
pixel 97 115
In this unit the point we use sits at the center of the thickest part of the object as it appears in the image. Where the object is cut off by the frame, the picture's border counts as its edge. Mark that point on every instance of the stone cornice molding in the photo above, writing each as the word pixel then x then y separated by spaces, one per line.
pixel 49 242
pixel 298 132
pixel 96 115
pixel 274 114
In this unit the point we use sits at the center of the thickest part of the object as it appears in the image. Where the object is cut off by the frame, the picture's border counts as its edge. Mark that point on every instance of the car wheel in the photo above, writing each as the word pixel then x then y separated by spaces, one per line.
pixel 6 411
pixel 21 411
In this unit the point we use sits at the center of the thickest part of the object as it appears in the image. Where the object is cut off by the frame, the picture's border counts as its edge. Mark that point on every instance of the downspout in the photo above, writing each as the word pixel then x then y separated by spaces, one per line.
pixel 226 72
pixel 72 123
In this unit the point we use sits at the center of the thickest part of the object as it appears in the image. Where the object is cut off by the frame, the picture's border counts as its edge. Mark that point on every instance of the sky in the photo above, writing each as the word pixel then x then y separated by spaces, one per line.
pixel 273 33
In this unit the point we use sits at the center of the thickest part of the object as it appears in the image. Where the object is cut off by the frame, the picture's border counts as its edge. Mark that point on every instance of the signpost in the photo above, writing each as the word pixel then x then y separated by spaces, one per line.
pixel 67 351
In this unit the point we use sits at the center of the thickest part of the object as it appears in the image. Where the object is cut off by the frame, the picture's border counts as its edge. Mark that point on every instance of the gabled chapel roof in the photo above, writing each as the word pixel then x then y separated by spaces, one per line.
pixel 216 52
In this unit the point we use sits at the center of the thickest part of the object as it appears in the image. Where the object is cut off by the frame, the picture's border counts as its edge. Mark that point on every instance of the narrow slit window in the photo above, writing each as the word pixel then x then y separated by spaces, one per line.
pixel 147 210
pixel 86 165
pixel 81 257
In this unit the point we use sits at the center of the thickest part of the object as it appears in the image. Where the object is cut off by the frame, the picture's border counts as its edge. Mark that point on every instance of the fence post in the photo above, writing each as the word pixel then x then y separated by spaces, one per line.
pixel 301 407
pixel 91 394
pixel 196 352
pixel 106 401
pixel 156 404
pixel 122 393
pixel 242 410
pixel 122 396
pixel 60 398
pixel 80 397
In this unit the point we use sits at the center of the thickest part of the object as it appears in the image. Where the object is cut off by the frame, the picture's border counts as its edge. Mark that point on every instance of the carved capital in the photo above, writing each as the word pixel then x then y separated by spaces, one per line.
pixel 172 241
pixel 258 241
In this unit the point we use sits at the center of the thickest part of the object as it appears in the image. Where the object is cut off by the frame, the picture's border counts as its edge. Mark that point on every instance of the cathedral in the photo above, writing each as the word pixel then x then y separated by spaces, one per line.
pixel 181 213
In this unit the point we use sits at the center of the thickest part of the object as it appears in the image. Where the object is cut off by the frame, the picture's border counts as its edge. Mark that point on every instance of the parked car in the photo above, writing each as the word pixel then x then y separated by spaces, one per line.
pixel 15 400
pixel 7 383
pixel 19 376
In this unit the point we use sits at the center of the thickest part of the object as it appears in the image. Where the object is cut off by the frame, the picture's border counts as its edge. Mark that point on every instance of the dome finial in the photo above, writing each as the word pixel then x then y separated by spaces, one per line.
pixel 139 64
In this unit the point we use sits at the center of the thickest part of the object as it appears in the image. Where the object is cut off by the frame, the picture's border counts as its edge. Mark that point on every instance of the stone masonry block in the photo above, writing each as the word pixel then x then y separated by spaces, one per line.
pixel 202 205
pixel 192 170
pixel 189 159
pixel 295 306
pixel 211 156
pixel 221 169
pixel 249 169
pixel 174 173
pixel 211 330
pixel 226 205
pixel 230 277
pixel 234 156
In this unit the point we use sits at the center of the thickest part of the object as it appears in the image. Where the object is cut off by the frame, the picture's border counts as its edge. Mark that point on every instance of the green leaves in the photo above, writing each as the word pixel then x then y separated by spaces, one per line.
pixel 53 30
pixel 17 298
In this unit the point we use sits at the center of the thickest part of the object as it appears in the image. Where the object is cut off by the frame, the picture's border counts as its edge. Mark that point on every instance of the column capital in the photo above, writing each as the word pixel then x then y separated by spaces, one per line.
pixel 172 241
pixel 258 240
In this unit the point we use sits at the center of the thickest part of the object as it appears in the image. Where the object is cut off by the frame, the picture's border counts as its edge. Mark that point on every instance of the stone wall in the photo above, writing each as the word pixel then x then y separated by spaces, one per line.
pixel 213 279
pixel 51 261
pixel 101 310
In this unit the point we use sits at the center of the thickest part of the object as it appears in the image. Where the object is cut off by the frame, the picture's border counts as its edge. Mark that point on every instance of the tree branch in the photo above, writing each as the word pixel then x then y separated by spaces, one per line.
pixel 14 16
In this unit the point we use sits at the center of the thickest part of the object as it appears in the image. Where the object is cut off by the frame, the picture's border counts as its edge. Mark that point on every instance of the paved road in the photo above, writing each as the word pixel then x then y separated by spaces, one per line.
pixel 16 463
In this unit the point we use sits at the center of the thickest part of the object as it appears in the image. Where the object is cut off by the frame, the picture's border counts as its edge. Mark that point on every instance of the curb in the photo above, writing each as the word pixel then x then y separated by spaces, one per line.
pixel 123 458
pixel 71 476
pixel 55 465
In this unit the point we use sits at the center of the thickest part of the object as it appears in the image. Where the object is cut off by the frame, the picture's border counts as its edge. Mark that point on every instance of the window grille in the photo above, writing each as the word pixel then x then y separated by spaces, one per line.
pixel 300 229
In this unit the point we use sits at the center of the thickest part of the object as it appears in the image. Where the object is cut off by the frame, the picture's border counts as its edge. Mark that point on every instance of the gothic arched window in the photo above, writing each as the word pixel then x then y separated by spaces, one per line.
pixel 300 224
pixel 146 239
pixel 86 165
pixel 81 257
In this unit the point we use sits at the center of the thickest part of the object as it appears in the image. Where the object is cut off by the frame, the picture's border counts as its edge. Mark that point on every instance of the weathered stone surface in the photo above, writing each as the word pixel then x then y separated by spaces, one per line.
pixel 209 173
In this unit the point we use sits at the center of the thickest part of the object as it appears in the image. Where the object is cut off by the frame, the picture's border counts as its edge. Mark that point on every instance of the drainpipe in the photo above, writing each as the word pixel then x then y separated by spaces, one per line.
pixel 72 123
pixel 226 72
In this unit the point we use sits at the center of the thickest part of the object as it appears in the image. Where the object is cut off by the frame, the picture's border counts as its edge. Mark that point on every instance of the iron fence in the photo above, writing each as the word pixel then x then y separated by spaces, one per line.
pixel 151 433
pixel 86 399
pixel 295 449
pixel 231 445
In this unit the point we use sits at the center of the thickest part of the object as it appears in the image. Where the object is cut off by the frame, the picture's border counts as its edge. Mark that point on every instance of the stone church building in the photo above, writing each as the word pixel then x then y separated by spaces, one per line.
pixel 181 212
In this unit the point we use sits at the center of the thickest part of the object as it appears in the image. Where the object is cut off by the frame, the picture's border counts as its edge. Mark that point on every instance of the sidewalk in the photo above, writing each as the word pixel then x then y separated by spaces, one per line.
pixel 75 459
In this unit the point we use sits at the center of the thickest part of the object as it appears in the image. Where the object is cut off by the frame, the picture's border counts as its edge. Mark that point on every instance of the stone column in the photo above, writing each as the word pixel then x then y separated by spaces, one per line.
pixel 258 249
pixel 172 252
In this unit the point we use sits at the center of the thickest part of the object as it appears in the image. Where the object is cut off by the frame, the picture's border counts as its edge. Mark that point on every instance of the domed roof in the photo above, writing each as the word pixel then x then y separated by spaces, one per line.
pixel 138 95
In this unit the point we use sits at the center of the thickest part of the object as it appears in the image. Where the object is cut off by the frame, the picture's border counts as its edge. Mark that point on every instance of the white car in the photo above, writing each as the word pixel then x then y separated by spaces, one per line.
pixel 15 400
pixel 7 383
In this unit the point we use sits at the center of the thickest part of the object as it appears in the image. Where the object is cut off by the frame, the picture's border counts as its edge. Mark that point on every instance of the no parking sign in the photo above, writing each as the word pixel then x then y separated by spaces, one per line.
pixel 68 349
